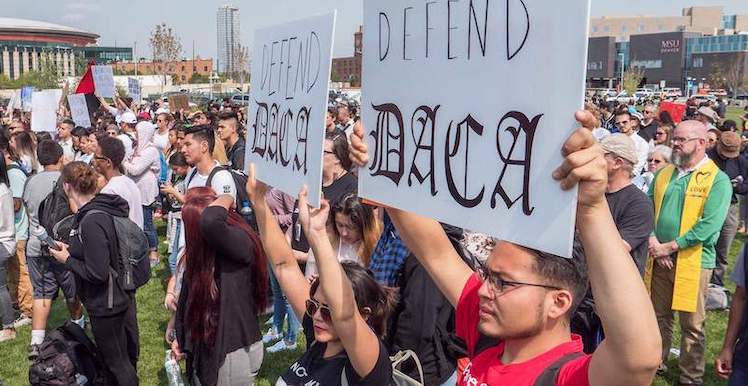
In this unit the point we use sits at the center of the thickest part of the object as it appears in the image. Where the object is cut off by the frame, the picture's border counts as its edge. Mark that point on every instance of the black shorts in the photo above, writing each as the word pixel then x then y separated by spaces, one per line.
pixel 48 277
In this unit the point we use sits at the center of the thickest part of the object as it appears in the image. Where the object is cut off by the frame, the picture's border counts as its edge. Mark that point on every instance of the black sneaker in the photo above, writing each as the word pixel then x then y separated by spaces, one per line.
pixel 33 352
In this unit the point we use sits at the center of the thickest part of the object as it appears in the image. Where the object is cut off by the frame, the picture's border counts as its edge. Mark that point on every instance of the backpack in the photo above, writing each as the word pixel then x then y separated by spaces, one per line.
pixel 717 298
pixel 133 268
pixel 16 166
pixel 54 208
pixel 243 203
pixel 399 378
pixel 67 357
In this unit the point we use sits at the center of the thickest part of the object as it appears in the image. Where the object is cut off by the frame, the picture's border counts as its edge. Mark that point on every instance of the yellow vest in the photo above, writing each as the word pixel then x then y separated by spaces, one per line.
pixel 688 267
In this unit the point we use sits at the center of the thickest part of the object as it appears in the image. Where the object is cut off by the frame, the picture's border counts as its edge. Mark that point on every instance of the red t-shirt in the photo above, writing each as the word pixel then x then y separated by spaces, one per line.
pixel 486 369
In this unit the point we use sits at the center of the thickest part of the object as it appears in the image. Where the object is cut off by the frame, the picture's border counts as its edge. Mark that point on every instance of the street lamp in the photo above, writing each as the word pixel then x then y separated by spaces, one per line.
pixel 621 58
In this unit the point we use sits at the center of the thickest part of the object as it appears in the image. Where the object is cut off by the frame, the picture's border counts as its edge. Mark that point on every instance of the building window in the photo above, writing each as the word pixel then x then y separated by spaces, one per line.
pixel 606 28
pixel 624 28
pixel 642 28
pixel 182 67
pixel 647 64
pixel 205 68
pixel 698 62
pixel 660 27
pixel 594 29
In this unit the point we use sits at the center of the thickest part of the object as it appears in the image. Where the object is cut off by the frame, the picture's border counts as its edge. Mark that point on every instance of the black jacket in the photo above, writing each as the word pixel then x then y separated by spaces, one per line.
pixel 424 321
pixel 733 168
pixel 93 256
pixel 238 324
pixel 236 154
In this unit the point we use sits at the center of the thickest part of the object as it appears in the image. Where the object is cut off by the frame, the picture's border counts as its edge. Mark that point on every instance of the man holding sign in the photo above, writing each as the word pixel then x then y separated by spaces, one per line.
pixel 514 314
pixel 288 103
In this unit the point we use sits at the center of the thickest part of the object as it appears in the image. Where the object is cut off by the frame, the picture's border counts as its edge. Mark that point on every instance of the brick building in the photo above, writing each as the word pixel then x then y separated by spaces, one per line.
pixel 181 70
pixel 349 69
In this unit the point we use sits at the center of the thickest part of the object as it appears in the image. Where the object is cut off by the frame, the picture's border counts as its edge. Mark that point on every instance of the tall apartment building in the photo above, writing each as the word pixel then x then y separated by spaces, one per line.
pixel 227 24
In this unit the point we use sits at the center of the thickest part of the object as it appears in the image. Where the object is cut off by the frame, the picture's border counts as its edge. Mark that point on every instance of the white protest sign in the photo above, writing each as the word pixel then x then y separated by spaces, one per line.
pixel 288 102
pixel 133 89
pixel 44 110
pixel 466 105
pixel 79 110
pixel 103 77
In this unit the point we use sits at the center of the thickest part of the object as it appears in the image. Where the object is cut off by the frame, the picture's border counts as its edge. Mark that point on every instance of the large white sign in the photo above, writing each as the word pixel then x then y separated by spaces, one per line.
pixel 466 105
pixel 103 77
pixel 288 100
pixel 44 106
pixel 79 110
pixel 133 89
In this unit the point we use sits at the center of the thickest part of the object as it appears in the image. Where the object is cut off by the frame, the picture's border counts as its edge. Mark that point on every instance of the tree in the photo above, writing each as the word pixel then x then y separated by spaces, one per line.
pixel 631 79
pixel 166 47
pixel 716 77
pixel 241 63
pixel 735 78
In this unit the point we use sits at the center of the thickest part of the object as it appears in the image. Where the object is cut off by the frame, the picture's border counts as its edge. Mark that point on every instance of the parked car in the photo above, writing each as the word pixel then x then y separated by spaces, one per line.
pixel 240 99
pixel 671 93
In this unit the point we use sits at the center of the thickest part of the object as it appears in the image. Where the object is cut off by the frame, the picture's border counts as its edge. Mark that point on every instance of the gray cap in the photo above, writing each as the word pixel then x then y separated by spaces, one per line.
pixel 622 146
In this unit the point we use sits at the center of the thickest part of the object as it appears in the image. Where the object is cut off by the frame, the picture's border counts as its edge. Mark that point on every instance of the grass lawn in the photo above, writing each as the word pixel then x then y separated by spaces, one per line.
pixel 152 319
pixel 736 114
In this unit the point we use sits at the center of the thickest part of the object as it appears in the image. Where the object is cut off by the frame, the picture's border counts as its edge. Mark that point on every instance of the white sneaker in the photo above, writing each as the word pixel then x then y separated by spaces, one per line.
pixel 271 336
pixel 7 334
pixel 281 346
pixel 22 320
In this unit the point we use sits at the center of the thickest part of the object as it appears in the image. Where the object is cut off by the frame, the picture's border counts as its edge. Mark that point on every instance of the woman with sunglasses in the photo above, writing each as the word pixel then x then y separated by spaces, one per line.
pixel 224 289
pixel 662 135
pixel 658 158
pixel 344 311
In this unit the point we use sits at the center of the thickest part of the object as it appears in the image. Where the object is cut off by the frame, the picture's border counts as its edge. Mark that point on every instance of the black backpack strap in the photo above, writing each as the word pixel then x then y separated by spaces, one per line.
pixel 212 174
pixel 112 272
pixel 191 176
pixel 549 376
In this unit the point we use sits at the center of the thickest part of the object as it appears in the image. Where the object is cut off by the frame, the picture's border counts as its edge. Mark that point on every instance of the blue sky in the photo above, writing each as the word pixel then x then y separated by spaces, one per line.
pixel 125 22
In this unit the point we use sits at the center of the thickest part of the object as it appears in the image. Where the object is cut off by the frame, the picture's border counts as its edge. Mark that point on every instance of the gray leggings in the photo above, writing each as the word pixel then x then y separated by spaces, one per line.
pixel 240 367
pixel 6 306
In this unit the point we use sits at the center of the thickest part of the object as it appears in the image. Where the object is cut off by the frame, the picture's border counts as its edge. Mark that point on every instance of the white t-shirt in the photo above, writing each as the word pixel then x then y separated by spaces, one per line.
pixel 160 141
pixel 127 141
pixel 222 182
pixel 124 187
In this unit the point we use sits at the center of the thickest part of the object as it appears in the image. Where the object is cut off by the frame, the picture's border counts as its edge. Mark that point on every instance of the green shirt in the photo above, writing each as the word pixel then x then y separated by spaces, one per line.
pixel 707 228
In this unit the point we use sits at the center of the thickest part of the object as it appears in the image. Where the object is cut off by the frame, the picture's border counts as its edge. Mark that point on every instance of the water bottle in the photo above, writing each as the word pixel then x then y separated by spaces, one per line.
pixel 173 372
pixel 246 211
pixel 80 380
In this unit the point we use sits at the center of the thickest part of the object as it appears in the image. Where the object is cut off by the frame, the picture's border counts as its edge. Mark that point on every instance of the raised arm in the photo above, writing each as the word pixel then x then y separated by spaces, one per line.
pixel 286 269
pixel 437 255
pixel 631 351
pixel 360 342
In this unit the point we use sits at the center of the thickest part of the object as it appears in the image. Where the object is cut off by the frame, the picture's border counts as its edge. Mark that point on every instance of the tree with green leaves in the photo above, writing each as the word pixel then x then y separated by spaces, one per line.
pixel 632 78
pixel 47 76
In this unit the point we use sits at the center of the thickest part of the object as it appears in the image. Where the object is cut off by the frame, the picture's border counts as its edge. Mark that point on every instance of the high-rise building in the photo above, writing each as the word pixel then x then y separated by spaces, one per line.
pixel 228 38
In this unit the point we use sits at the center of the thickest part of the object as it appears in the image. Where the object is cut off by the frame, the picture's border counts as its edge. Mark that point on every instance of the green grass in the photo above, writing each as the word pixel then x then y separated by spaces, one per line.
pixel 152 320
pixel 736 114
pixel 716 323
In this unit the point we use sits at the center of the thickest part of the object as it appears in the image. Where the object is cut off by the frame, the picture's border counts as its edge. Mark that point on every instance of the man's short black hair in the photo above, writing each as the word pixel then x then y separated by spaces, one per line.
pixel 80 131
pixel 227 115
pixel 48 152
pixel 569 274
pixel 623 112
pixel 113 149
pixel 203 133
pixel 68 121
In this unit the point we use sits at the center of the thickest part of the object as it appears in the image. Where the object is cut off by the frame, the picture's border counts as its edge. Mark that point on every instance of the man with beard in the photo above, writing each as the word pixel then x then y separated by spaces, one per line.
pixel 691 198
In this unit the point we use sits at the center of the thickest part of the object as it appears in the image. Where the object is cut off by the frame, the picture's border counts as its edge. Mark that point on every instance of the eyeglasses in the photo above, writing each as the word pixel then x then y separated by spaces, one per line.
pixel 621 123
pixel 329 152
pixel 681 140
pixel 660 133
pixel 655 161
pixel 312 306
pixel 497 285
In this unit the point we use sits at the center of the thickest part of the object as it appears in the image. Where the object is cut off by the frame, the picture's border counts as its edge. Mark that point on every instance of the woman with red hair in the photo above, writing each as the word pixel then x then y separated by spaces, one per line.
pixel 224 288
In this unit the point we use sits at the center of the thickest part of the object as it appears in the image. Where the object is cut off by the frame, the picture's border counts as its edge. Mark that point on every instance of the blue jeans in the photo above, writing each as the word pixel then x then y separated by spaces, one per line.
pixel 739 377
pixel 148 228
pixel 281 308
pixel 6 306
pixel 452 381
pixel 175 245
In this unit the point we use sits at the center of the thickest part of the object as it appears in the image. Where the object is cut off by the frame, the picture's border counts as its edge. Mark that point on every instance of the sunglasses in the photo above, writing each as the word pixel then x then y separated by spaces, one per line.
pixel 312 306
pixel 655 161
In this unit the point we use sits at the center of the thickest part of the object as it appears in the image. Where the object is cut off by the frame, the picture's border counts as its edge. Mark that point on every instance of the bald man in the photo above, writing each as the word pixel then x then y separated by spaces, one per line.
pixel 691 198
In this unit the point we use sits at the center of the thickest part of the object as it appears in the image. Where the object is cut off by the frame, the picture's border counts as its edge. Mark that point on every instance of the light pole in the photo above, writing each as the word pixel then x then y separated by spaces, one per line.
pixel 213 78
pixel 621 57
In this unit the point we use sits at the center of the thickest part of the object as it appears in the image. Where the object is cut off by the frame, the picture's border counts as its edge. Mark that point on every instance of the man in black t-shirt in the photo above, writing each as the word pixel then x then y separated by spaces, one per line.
pixel 649 125
pixel 631 209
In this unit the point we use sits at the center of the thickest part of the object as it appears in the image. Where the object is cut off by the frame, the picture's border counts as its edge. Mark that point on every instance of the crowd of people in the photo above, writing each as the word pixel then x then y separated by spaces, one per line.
pixel 660 202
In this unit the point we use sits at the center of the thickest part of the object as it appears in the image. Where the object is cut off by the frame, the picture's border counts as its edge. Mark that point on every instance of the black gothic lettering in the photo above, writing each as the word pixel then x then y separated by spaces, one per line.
pixel 528 127
pixel 383 17
pixel 474 18
pixel 283 138
pixel 273 136
pixel 509 54
pixel 470 124
pixel 302 133
pixel 260 127
pixel 428 25
pixel 427 120
pixel 450 28
pixel 382 134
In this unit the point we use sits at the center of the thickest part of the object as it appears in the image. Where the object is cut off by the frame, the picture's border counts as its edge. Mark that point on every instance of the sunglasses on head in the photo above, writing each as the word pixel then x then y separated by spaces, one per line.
pixel 324 311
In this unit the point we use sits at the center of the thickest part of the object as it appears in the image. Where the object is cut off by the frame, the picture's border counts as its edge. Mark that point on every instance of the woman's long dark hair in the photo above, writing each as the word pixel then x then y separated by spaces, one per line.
pixel 204 296
pixel 4 179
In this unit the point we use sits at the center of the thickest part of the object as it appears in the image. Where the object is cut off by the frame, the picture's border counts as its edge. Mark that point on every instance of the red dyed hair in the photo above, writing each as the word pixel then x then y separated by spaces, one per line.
pixel 204 296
